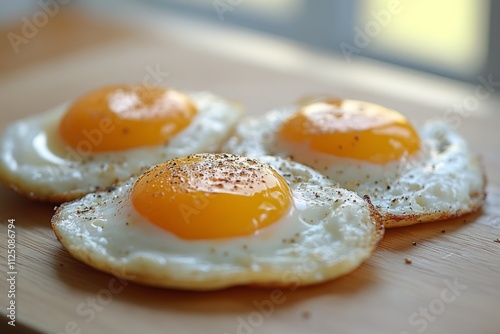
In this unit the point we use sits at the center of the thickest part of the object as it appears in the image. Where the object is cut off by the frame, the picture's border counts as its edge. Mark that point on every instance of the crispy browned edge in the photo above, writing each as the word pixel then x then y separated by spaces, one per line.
pixel 378 219
pixel 138 278
pixel 55 199
pixel 477 199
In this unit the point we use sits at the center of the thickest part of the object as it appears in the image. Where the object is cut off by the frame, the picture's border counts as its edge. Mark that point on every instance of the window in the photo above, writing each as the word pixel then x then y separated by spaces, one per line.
pixel 446 37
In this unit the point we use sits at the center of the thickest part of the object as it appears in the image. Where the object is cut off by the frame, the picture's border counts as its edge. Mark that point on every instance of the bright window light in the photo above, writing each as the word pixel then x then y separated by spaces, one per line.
pixel 447 34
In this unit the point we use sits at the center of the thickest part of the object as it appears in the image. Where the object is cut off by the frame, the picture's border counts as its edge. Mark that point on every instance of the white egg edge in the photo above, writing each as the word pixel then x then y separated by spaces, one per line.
pixel 59 179
pixel 360 234
pixel 451 182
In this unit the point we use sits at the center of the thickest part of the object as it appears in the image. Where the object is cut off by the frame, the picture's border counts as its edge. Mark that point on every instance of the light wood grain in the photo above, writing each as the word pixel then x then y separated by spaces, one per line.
pixel 380 297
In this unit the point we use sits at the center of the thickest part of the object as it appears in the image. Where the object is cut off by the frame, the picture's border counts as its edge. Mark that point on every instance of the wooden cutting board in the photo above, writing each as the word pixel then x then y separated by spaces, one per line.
pixel 451 286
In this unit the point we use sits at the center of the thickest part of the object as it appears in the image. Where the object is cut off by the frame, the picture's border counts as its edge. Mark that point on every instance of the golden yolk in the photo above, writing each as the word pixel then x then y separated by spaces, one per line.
pixel 124 117
pixel 209 196
pixel 351 129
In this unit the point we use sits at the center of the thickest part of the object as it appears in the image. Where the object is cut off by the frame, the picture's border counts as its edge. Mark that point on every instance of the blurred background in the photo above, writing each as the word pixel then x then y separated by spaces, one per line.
pixel 451 38
pixel 428 59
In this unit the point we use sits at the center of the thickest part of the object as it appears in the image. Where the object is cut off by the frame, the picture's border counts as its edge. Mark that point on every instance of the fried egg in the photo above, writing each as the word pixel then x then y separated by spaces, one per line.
pixel 210 221
pixel 108 135
pixel 410 176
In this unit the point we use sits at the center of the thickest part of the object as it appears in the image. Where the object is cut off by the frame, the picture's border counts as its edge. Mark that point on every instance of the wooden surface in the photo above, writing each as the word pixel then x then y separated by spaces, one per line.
pixel 385 295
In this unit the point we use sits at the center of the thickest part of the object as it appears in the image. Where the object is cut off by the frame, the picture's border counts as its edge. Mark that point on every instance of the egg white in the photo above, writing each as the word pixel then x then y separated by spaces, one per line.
pixel 443 180
pixel 327 233
pixel 35 162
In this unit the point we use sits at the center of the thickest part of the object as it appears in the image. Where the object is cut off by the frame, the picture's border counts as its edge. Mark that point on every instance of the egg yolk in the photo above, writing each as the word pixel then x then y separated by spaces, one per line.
pixel 209 196
pixel 124 117
pixel 351 129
